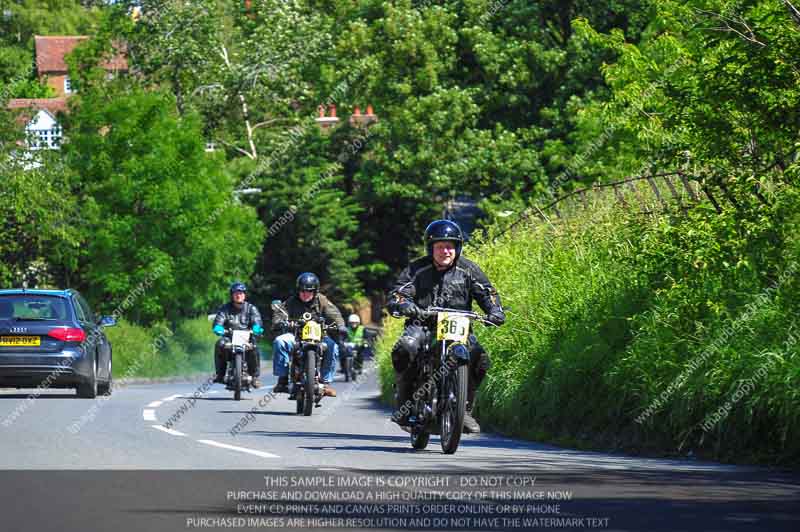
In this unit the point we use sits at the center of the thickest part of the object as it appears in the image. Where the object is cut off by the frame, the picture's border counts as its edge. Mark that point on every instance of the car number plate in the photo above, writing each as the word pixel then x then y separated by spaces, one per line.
pixel 16 341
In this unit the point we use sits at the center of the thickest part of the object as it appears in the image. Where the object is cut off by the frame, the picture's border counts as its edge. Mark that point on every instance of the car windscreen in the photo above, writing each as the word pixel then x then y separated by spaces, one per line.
pixel 23 307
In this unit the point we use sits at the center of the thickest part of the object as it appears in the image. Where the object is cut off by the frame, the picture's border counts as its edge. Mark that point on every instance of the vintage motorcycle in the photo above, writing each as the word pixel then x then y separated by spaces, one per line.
pixel 440 398
pixel 352 358
pixel 307 359
pixel 237 343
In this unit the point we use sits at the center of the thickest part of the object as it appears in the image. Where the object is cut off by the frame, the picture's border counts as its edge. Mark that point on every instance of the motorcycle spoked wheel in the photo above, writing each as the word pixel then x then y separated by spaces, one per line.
pixel 237 377
pixel 451 418
pixel 355 367
pixel 300 391
pixel 311 382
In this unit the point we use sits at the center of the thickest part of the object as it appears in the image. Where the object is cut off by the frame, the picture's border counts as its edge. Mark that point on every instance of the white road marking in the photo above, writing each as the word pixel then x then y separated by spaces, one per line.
pixel 155 404
pixel 262 454
pixel 168 431
pixel 149 415
pixel 172 397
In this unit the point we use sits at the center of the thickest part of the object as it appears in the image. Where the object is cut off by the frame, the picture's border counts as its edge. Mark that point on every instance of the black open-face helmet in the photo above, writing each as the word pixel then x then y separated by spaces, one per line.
pixel 238 286
pixel 443 230
pixel 307 281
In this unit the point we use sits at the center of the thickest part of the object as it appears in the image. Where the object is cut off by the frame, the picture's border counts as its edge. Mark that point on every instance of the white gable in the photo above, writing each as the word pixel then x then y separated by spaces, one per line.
pixel 43 120
pixel 43 132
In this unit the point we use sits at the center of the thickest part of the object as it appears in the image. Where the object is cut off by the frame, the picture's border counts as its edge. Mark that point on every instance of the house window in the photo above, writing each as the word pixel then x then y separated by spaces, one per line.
pixel 67 85
pixel 45 139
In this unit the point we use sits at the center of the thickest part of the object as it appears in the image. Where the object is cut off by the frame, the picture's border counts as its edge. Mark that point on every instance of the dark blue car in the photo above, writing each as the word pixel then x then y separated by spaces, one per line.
pixel 52 339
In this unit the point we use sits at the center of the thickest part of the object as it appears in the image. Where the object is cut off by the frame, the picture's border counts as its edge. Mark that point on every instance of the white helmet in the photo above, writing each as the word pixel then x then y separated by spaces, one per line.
pixel 353 319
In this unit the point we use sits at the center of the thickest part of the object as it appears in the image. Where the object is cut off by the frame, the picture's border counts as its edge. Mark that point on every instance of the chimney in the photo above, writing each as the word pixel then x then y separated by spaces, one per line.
pixel 327 122
pixel 357 119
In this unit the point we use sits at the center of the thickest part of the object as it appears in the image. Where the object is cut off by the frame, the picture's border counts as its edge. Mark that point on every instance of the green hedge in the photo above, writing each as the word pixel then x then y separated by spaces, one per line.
pixel 159 351
pixel 668 335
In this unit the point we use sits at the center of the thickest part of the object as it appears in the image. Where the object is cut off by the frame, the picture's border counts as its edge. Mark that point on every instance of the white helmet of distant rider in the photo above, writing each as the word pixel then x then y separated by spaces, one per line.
pixel 353 321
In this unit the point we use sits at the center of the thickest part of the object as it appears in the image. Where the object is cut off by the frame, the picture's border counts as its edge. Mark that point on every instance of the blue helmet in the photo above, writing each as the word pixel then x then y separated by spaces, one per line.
pixel 440 230
pixel 307 281
pixel 238 286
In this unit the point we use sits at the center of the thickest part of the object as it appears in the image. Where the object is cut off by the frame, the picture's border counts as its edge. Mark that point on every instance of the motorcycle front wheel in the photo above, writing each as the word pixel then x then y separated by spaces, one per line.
pixel 237 377
pixel 311 382
pixel 451 418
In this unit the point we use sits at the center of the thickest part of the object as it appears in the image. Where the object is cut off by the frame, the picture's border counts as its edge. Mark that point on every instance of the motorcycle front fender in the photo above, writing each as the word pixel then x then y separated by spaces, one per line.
pixel 460 353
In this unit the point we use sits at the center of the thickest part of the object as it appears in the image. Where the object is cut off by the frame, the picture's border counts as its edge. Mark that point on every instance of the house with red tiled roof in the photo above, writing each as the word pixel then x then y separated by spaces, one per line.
pixel 51 65
pixel 40 115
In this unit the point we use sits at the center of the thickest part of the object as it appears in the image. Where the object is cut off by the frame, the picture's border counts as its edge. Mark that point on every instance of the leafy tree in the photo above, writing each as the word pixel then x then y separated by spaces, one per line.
pixel 156 202
pixel 713 87
pixel 40 224
pixel 20 21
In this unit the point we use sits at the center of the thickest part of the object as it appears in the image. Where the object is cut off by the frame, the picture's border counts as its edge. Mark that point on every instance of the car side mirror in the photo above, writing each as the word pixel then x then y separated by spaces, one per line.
pixel 107 321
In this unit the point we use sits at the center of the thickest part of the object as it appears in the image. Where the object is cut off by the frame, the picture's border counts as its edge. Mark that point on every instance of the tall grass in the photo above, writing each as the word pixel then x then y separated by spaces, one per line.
pixel 613 313
pixel 391 332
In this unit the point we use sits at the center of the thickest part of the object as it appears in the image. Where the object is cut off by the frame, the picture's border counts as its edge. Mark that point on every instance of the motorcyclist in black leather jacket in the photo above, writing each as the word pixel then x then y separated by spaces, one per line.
pixel 238 314
pixel 442 278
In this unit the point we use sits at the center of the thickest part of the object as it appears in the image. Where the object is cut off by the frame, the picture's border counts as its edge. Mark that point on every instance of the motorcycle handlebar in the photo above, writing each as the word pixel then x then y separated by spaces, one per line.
pixel 431 312
pixel 300 323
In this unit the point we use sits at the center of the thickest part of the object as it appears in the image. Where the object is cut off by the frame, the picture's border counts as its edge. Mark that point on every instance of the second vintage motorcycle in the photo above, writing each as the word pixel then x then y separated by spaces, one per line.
pixel 306 365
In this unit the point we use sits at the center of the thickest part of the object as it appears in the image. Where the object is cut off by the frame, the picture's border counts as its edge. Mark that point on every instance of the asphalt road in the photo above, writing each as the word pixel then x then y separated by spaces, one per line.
pixel 185 456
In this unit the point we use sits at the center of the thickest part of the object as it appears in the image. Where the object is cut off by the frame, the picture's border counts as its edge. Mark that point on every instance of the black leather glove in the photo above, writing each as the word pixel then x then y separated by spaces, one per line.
pixel 280 326
pixel 409 309
pixel 496 318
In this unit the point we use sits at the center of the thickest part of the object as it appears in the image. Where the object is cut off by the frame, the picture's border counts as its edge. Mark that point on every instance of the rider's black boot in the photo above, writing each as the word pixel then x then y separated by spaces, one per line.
pixel 470 425
pixel 282 386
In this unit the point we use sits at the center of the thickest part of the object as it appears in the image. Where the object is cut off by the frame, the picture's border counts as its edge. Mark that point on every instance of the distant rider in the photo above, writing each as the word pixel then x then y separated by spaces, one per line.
pixel 442 278
pixel 355 335
pixel 306 299
pixel 355 331
pixel 238 314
